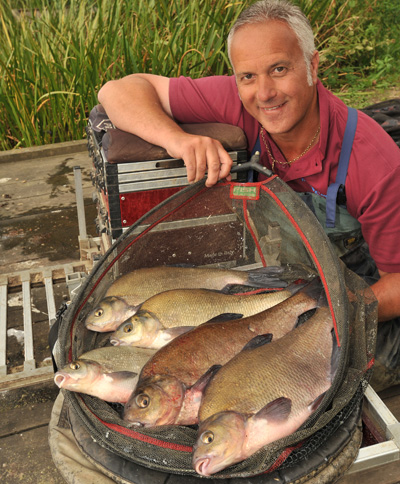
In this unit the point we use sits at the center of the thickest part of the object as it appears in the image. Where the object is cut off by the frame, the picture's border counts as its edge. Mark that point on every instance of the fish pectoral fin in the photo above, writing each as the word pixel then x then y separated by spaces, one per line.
pixel 259 340
pixel 224 317
pixel 276 411
pixel 316 403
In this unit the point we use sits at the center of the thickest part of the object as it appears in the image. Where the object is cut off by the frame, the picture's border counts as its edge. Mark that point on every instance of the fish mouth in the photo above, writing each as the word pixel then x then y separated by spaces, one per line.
pixel 201 466
pixel 59 380
pixel 135 424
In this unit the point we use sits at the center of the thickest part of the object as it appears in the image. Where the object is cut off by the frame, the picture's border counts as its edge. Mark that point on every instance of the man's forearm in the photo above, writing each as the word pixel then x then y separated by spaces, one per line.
pixel 387 292
pixel 139 104
pixel 133 105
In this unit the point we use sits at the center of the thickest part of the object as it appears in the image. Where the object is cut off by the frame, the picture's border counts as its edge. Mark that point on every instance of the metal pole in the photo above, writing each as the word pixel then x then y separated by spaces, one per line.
pixel 79 202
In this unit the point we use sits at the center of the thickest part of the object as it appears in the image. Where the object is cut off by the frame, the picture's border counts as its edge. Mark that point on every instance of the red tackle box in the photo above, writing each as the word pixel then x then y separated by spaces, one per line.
pixel 132 176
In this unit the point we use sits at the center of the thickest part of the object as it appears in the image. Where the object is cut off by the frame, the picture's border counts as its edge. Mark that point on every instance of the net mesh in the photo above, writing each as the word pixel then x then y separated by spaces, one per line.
pixel 228 226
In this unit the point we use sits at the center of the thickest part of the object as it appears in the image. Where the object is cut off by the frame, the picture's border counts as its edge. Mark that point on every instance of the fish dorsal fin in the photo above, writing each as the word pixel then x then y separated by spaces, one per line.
pixel 224 317
pixel 260 340
pixel 202 382
pixel 276 411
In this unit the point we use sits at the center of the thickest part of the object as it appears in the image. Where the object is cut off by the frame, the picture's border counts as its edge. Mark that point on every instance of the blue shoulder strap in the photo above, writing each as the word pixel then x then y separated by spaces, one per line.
pixel 332 193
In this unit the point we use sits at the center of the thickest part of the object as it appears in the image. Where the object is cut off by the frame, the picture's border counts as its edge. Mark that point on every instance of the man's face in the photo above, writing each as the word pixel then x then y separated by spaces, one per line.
pixel 271 76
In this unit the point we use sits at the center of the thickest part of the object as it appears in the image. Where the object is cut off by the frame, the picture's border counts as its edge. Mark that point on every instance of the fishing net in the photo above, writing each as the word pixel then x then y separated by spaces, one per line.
pixel 230 226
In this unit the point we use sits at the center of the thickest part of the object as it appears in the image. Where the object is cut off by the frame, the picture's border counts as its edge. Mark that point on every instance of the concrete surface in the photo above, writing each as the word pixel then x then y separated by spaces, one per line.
pixel 38 222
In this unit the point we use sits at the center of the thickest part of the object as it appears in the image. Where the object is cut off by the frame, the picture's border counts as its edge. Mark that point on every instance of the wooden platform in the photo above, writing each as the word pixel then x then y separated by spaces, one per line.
pixel 38 230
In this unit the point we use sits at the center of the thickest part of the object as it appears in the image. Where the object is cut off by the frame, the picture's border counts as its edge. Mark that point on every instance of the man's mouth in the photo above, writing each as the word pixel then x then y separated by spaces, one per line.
pixel 272 108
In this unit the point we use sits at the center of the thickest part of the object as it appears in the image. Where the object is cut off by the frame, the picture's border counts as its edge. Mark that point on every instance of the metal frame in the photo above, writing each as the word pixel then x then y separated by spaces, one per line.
pixel 384 452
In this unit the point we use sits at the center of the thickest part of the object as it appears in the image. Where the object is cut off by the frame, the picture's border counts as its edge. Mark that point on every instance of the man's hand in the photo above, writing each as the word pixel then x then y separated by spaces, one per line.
pixel 200 154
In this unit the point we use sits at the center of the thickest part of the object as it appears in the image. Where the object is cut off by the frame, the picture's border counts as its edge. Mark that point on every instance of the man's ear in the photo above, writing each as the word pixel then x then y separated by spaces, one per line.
pixel 314 66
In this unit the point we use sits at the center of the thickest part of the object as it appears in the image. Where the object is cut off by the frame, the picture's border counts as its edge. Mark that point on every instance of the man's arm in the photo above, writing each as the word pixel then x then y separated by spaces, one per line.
pixel 139 104
pixel 387 292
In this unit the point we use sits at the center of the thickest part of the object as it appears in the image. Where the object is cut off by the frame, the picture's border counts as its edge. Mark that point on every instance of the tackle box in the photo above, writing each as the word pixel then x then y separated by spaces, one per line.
pixel 132 176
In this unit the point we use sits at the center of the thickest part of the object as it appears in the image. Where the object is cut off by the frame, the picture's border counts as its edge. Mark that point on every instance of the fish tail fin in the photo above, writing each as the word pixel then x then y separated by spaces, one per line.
pixel 267 277
pixel 316 403
pixel 314 289
pixel 322 300
pixel 297 286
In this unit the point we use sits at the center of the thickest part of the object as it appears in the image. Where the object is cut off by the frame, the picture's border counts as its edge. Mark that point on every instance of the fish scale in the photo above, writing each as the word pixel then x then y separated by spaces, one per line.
pixel 141 284
pixel 264 393
pixel 295 371
pixel 187 358
pixel 191 307
pixel 125 295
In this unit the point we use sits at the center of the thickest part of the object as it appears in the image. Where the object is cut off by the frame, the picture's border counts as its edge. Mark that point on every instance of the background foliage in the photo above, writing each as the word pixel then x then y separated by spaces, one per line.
pixel 56 54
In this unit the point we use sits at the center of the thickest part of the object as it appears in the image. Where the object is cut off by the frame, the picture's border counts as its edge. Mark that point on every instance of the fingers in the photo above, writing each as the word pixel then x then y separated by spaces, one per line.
pixel 201 154
pixel 207 155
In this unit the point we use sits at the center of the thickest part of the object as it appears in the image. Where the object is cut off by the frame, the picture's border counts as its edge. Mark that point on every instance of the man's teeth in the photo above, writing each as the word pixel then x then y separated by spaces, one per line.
pixel 273 108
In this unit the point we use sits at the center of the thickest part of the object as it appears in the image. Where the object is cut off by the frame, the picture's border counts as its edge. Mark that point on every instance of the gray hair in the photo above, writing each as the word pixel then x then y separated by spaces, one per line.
pixel 282 10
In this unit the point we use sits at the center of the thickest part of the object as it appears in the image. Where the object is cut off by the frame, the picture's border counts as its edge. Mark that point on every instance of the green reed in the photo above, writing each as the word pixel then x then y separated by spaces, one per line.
pixel 56 54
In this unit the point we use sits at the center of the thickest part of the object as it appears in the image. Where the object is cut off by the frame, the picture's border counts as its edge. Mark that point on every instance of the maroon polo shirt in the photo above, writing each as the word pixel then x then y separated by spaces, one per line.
pixel 373 179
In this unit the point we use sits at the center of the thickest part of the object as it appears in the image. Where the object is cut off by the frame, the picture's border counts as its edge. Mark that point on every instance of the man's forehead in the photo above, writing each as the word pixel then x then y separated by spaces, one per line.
pixel 264 42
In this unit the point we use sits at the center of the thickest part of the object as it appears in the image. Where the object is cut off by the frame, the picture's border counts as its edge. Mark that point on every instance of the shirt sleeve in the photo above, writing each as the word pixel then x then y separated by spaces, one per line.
pixel 212 99
pixel 373 194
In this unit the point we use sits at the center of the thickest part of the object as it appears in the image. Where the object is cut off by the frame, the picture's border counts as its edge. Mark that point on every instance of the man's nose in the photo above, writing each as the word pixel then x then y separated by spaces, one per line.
pixel 265 89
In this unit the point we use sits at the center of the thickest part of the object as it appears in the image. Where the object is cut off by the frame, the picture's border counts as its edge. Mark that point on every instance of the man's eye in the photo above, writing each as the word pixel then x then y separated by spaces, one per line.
pixel 280 70
pixel 248 77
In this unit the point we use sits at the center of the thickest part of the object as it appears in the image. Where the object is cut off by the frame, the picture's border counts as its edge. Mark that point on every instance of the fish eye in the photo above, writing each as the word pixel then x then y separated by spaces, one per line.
pixel 142 400
pixel 128 328
pixel 99 312
pixel 207 437
pixel 74 365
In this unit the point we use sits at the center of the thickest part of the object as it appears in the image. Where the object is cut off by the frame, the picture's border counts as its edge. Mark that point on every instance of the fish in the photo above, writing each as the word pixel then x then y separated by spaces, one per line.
pixel 92 378
pixel 264 393
pixel 108 373
pixel 132 359
pixel 165 316
pixel 145 331
pixel 171 383
pixel 125 295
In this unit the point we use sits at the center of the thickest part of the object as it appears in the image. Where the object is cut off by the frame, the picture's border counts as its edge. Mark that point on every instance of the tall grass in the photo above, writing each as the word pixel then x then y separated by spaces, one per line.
pixel 56 54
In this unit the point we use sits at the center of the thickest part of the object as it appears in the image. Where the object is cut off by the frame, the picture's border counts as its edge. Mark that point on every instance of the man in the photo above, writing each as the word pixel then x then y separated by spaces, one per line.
pixel 275 94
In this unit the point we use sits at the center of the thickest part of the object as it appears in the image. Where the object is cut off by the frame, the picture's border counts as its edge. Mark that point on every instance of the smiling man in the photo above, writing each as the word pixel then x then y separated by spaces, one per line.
pixel 275 96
